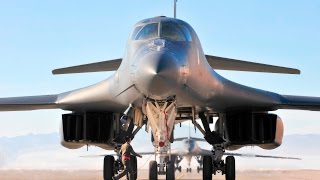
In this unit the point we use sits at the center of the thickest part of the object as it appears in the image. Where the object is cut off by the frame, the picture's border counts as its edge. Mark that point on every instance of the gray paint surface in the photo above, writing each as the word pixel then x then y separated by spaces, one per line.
pixel 158 68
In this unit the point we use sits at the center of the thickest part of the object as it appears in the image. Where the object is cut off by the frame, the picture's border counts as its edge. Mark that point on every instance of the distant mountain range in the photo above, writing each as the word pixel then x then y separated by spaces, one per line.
pixel 33 151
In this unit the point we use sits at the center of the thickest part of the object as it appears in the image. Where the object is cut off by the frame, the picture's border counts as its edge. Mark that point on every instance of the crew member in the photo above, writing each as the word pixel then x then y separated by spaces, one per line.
pixel 125 152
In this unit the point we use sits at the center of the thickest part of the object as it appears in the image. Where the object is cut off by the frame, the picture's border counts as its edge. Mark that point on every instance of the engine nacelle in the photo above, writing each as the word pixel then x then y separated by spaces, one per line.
pixel 80 129
pixel 253 129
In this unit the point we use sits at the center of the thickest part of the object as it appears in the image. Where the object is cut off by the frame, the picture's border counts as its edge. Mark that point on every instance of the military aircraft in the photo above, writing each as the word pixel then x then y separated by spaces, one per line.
pixel 191 149
pixel 165 77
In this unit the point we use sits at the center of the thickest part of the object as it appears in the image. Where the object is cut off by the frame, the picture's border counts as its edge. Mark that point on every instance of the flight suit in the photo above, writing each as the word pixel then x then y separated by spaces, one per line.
pixel 125 151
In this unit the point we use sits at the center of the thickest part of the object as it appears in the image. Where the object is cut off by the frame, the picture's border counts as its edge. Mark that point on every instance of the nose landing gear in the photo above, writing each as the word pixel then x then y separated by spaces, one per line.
pixel 161 116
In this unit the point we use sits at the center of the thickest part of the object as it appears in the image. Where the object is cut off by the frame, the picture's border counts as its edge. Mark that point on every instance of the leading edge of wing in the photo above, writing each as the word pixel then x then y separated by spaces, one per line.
pixel 28 103
pixel 260 156
pixel 222 63
pixel 111 65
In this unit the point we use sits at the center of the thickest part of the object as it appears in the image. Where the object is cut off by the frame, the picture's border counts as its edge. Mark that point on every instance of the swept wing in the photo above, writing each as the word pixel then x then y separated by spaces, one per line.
pixel 300 102
pixel 222 63
pixel 28 103
pixel 110 65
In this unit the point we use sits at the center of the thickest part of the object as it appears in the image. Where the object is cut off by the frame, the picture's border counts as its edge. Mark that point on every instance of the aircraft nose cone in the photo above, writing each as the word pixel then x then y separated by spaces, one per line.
pixel 157 74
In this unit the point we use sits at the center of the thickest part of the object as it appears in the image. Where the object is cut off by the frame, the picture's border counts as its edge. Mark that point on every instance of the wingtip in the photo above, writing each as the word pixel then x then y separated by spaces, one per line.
pixel 296 71
pixel 54 72
pixel 58 71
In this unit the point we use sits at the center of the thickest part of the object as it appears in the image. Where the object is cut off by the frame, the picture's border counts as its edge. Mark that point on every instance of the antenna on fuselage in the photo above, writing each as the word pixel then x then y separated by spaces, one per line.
pixel 175 8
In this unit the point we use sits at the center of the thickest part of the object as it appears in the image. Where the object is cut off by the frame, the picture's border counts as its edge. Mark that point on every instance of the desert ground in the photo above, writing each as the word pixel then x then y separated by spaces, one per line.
pixel 97 175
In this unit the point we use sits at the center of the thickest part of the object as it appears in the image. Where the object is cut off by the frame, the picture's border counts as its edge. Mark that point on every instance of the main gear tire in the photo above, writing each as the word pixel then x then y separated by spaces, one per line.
pixel 207 168
pixel 230 168
pixel 108 165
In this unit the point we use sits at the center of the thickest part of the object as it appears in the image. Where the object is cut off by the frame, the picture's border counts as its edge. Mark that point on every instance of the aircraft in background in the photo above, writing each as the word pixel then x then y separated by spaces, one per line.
pixel 166 77
pixel 190 149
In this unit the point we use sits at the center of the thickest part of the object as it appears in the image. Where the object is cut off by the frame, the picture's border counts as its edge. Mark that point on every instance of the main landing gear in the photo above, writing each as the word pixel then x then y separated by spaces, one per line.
pixel 108 167
pixel 112 167
pixel 227 167
pixel 213 164
pixel 125 127
pixel 230 168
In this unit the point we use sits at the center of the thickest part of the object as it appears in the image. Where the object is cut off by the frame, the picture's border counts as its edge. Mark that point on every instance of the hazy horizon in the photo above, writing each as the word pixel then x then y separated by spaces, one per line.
pixel 43 151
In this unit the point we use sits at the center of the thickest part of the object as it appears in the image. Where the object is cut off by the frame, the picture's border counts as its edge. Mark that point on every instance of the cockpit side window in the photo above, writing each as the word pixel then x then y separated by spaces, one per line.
pixel 147 32
pixel 175 32
pixel 186 32
pixel 135 31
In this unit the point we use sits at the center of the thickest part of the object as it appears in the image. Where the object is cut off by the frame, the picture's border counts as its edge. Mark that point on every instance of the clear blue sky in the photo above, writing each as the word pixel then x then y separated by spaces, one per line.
pixel 38 36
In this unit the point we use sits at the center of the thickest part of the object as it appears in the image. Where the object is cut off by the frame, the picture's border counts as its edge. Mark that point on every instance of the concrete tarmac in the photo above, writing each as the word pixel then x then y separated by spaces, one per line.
pixel 143 174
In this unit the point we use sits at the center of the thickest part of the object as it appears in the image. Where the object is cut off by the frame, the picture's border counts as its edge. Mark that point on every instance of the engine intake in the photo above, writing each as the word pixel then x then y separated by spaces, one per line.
pixel 87 128
pixel 261 129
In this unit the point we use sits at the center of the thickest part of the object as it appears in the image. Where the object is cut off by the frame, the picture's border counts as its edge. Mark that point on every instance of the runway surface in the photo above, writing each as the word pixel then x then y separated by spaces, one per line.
pixel 97 175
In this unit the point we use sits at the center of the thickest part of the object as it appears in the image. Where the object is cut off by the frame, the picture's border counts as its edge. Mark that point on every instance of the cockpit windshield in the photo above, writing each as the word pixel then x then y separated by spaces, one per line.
pixel 169 30
pixel 147 32
pixel 175 32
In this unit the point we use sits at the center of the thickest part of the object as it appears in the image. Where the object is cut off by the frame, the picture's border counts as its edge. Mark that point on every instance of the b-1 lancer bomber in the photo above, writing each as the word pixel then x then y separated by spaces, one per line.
pixel 164 78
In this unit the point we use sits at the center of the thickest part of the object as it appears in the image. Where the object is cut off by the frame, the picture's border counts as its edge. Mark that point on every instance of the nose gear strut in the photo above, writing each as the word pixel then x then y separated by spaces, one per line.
pixel 161 116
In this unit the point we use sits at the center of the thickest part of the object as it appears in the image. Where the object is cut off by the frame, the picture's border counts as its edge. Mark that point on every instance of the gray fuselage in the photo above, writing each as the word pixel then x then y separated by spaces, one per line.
pixel 159 64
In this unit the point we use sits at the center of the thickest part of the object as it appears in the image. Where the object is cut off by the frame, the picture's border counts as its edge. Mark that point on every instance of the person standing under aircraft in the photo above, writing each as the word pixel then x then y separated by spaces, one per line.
pixel 125 152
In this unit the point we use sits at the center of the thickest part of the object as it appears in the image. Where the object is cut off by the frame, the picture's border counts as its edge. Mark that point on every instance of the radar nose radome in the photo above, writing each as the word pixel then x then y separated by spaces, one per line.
pixel 157 74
